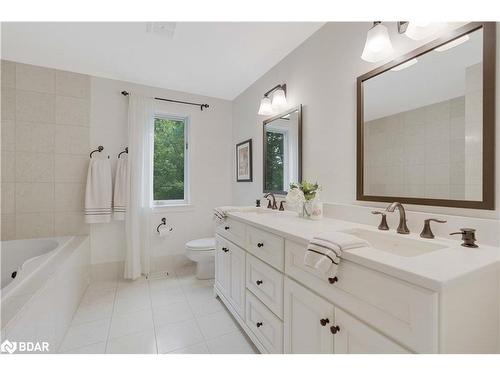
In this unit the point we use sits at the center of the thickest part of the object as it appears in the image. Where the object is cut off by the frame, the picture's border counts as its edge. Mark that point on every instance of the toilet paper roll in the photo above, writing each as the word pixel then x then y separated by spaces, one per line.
pixel 164 231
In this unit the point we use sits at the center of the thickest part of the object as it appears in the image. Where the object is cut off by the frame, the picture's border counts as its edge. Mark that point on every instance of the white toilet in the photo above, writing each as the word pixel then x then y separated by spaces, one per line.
pixel 202 251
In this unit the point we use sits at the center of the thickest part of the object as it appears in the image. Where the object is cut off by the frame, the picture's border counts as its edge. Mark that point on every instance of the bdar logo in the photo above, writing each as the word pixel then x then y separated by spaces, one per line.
pixel 8 347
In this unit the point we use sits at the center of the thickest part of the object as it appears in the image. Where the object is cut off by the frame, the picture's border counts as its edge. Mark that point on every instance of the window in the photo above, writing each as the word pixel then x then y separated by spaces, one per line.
pixel 170 161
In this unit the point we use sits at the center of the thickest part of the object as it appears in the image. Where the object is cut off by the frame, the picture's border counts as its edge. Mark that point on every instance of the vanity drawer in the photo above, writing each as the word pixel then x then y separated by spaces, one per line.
pixel 266 283
pixel 266 246
pixel 264 324
pixel 233 231
pixel 405 312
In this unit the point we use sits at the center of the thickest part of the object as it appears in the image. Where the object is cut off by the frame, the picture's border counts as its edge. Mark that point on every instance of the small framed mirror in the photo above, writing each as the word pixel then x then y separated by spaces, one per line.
pixel 426 124
pixel 282 150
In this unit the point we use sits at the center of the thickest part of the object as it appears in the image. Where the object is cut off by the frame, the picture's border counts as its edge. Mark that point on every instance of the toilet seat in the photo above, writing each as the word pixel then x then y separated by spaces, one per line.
pixel 201 244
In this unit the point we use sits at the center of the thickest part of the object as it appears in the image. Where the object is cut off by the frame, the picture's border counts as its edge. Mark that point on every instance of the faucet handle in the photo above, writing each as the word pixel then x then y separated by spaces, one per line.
pixel 383 222
pixel 468 236
pixel 427 231
pixel 282 208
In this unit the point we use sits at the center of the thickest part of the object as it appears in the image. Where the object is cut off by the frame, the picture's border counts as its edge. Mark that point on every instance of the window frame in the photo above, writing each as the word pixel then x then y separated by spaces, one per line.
pixel 173 202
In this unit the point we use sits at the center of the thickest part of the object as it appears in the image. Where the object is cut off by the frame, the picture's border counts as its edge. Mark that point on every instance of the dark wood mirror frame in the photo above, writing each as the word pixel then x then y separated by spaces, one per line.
pixel 489 44
pixel 298 109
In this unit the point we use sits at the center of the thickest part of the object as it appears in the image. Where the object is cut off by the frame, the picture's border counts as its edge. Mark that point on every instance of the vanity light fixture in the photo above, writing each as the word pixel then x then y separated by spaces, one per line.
pixel 268 107
pixel 404 65
pixel 418 30
pixel 378 45
pixel 452 44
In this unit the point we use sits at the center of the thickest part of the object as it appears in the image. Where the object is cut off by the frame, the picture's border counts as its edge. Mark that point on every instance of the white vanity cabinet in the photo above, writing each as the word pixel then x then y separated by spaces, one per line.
pixel 286 307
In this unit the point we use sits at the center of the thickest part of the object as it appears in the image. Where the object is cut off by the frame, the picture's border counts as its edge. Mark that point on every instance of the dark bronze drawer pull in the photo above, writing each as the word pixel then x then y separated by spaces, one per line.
pixel 225 249
pixel 259 324
pixel 324 321
pixel 258 282
pixel 226 228
pixel 333 280
pixel 334 329
pixel 260 244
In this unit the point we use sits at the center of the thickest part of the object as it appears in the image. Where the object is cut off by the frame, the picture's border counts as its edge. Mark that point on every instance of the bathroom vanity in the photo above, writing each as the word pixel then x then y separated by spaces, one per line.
pixel 403 294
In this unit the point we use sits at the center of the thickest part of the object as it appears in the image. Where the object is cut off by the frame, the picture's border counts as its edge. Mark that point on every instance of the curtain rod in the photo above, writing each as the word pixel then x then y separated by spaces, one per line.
pixel 125 93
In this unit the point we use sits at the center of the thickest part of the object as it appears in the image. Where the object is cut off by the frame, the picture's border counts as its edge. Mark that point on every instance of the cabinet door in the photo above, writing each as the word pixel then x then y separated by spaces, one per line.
pixel 237 279
pixel 222 270
pixel 307 321
pixel 355 337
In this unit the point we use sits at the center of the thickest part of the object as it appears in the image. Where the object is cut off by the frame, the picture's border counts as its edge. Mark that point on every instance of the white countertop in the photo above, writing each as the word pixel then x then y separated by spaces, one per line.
pixel 434 270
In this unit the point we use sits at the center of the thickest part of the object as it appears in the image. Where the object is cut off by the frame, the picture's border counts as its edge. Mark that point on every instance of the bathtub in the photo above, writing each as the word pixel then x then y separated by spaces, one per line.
pixel 51 275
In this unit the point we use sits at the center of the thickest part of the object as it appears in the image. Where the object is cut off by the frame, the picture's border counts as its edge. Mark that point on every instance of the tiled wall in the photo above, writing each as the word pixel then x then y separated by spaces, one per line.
pixel 45 145
pixel 418 153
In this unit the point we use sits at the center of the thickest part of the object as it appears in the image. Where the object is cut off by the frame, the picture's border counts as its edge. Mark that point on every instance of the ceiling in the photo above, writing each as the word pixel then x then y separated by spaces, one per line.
pixel 219 59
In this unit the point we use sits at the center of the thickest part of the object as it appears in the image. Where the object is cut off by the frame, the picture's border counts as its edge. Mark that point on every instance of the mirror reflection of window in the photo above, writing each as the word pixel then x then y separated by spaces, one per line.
pixel 281 158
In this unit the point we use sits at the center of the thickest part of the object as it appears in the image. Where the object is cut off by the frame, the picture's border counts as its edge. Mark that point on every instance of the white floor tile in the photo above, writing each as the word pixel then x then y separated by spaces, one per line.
pixel 164 297
pixel 103 285
pixel 136 322
pixel 217 324
pixel 201 348
pixel 172 313
pixel 99 348
pixel 232 343
pixel 140 343
pixel 165 283
pixel 96 296
pixel 178 335
pixel 128 305
pixel 202 307
pixel 85 334
pixel 92 312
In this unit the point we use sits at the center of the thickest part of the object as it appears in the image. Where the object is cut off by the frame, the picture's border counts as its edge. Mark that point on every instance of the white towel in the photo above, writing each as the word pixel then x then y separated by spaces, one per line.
pixel 324 251
pixel 121 189
pixel 220 213
pixel 98 191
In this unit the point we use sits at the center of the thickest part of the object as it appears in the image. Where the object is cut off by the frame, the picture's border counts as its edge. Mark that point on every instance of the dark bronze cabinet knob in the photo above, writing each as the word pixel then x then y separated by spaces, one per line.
pixel 334 329
pixel 226 227
pixel 260 244
pixel 333 280
pixel 225 249
pixel 259 324
pixel 324 321
pixel 258 282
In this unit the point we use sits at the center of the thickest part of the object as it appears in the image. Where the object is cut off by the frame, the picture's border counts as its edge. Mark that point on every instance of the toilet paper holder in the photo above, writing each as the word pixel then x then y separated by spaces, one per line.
pixel 163 222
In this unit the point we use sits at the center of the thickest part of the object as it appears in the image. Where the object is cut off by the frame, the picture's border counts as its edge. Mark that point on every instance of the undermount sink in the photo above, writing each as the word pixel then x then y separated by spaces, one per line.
pixel 395 244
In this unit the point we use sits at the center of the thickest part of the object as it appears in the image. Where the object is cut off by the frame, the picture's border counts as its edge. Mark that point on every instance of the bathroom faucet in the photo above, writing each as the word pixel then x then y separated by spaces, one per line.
pixel 273 206
pixel 402 228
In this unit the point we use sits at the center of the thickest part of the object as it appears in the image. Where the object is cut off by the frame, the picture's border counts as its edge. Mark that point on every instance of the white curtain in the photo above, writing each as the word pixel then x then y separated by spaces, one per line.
pixel 140 171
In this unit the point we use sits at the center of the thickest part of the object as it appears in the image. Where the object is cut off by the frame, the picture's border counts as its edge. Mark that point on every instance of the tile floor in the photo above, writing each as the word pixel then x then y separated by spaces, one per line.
pixel 165 314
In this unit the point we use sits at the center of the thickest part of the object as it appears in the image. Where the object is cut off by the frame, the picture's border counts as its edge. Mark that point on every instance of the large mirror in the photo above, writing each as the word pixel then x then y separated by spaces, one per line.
pixel 282 150
pixel 426 124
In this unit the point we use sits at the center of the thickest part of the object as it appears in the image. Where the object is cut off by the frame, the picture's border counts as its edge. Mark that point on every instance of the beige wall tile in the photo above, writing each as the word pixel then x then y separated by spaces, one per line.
pixel 72 111
pixel 35 78
pixel 72 84
pixel 34 167
pixel 8 198
pixel 71 168
pixel 34 197
pixel 34 225
pixel 69 197
pixel 72 139
pixel 8 75
pixel 35 106
pixel 8 104
pixel 8 227
pixel 70 224
pixel 8 135
pixel 8 166
pixel 35 137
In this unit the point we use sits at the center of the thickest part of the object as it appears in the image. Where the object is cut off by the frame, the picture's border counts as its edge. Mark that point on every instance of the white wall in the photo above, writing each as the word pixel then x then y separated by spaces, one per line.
pixel 321 75
pixel 210 166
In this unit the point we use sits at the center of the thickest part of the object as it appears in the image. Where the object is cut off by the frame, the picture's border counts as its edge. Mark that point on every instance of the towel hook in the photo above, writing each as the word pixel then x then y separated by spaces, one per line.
pixel 123 152
pixel 99 149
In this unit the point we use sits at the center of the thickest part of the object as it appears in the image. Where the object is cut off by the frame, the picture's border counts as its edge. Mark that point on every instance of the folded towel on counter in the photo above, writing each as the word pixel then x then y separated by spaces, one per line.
pixel 324 251
pixel 98 191
pixel 220 213
pixel 121 189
